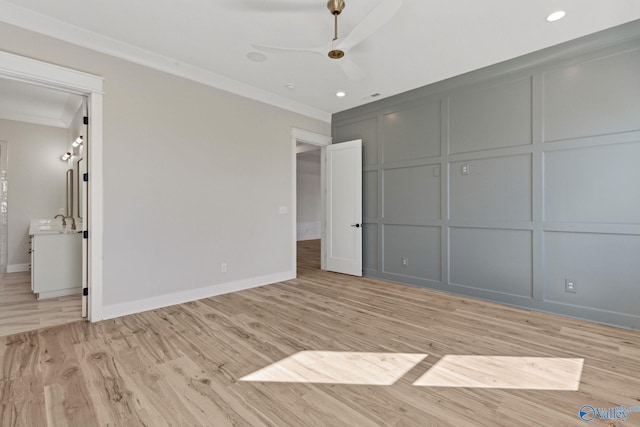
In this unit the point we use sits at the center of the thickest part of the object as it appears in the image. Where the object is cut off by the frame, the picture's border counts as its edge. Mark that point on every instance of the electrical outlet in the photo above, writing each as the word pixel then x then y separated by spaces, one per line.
pixel 223 267
pixel 61 211
pixel 464 169
pixel 405 262
pixel 570 286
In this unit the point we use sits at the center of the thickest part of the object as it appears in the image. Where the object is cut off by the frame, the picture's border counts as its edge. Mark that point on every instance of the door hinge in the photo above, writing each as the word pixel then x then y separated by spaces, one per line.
pixel 85 120
pixel 85 234
pixel 85 177
pixel 85 291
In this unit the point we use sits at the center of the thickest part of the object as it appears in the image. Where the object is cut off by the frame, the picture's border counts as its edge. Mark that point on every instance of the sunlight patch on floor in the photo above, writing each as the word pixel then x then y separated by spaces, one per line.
pixel 338 367
pixel 534 373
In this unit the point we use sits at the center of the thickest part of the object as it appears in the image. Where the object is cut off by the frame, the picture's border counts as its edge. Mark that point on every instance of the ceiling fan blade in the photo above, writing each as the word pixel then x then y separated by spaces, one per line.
pixel 379 16
pixel 350 68
pixel 275 49
pixel 271 6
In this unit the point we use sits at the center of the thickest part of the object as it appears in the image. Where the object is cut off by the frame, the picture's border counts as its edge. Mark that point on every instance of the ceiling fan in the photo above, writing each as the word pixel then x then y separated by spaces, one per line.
pixel 338 48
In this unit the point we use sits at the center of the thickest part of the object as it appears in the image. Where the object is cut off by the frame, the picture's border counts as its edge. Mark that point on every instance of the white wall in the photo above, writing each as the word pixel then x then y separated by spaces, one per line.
pixel 36 178
pixel 193 177
pixel 309 207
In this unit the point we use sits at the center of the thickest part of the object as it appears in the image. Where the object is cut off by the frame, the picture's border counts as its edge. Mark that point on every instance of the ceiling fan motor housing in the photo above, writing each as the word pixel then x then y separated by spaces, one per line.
pixel 335 6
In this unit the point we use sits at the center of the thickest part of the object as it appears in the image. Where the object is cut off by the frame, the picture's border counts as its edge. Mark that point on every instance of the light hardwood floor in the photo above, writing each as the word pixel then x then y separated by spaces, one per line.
pixel 20 311
pixel 193 364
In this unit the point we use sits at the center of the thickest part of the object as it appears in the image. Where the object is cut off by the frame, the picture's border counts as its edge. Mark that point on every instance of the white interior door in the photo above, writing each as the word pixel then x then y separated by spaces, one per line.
pixel 344 207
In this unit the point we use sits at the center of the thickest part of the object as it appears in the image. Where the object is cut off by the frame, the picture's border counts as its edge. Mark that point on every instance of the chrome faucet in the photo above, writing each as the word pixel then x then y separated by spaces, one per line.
pixel 73 222
pixel 64 222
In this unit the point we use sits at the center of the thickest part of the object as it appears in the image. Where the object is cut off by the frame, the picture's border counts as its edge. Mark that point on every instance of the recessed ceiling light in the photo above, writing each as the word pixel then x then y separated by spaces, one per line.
pixel 340 94
pixel 291 86
pixel 256 56
pixel 556 16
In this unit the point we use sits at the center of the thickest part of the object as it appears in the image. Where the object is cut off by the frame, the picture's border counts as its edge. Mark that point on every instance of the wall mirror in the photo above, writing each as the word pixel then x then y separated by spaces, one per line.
pixel 70 192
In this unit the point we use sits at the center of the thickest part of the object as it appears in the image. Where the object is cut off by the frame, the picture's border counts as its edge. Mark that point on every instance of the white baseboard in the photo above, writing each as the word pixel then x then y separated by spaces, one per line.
pixel 17 268
pixel 59 293
pixel 152 303
pixel 307 231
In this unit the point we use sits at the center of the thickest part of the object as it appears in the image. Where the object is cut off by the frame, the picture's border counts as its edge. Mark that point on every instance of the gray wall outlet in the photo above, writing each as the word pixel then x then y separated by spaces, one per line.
pixel 570 286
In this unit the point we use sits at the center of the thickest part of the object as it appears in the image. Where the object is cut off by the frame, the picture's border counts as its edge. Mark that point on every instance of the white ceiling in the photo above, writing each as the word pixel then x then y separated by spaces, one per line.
pixel 424 42
pixel 34 104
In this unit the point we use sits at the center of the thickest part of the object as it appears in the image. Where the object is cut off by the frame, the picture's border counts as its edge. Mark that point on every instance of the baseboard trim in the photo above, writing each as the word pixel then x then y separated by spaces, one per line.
pixel 59 293
pixel 17 268
pixel 160 301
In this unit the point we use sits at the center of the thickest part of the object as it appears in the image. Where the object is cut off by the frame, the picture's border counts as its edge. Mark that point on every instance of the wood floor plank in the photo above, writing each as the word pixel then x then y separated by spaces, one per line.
pixel 112 398
pixel 67 397
pixel 22 401
pixel 206 398
pixel 20 355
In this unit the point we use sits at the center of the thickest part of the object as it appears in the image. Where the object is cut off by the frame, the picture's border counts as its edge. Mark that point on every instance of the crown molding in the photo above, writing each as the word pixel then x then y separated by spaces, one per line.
pixel 20 17
pixel 30 118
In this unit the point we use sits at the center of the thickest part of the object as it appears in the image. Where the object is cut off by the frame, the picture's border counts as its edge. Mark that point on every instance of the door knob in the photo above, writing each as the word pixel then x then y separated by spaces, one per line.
pixel 355 225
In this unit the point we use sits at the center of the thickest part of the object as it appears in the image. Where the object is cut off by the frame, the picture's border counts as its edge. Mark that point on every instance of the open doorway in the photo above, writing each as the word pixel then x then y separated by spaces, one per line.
pixel 308 198
pixel 42 155
pixel 308 205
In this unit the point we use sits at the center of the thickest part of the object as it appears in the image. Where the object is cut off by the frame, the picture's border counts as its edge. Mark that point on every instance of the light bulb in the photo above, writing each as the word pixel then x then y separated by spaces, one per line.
pixel 556 16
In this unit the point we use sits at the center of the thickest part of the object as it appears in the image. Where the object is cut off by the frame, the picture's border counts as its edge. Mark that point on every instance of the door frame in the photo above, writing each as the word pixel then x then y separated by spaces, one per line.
pixel 27 70
pixel 320 140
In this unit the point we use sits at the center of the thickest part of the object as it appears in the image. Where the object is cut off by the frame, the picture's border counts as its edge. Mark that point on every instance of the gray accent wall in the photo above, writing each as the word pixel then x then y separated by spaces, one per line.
pixel 506 182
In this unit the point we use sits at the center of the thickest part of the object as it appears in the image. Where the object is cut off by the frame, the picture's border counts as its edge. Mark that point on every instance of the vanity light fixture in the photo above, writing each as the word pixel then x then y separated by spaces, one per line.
pixel 66 156
pixel 556 16
pixel 79 140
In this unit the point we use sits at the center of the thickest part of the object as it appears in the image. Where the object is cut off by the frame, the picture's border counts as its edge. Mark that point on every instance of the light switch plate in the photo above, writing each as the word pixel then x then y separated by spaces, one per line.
pixel 283 210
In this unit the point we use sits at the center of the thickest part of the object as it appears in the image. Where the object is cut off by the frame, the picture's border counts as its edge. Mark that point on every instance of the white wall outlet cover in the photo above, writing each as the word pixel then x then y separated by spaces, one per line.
pixel 570 286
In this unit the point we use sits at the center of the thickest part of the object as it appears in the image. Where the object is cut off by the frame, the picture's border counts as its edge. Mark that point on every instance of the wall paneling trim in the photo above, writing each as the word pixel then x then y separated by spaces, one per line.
pixel 506 182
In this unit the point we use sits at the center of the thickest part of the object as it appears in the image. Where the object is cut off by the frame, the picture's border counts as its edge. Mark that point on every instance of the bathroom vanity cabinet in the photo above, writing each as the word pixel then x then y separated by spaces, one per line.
pixel 56 263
